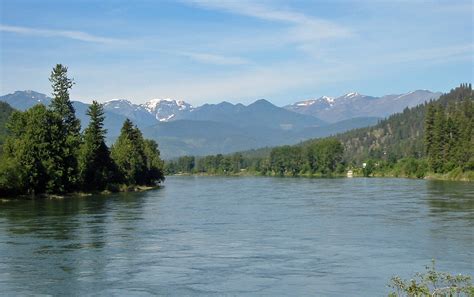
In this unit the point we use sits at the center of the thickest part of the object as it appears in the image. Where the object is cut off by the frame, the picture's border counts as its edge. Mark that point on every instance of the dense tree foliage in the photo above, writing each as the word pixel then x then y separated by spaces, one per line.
pixel 45 152
pixel 5 113
pixel 322 158
pixel 96 167
pixel 138 160
pixel 34 150
pixel 449 132
pixel 403 135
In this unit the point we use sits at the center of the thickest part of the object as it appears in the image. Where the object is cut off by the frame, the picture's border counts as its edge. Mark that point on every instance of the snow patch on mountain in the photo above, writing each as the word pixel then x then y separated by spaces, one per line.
pixel 354 104
pixel 166 109
pixel 350 95
pixel 306 103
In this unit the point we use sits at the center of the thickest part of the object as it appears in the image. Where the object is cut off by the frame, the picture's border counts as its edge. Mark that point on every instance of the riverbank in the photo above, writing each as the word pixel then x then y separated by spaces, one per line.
pixel 455 175
pixel 118 189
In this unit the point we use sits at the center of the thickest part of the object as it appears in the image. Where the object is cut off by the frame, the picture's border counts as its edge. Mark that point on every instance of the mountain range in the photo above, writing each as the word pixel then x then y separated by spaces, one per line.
pixel 182 129
pixel 357 105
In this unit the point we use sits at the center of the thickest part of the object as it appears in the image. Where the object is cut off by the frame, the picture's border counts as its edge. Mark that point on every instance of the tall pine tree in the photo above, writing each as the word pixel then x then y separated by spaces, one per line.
pixel 95 164
pixel 62 106
pixel 128 153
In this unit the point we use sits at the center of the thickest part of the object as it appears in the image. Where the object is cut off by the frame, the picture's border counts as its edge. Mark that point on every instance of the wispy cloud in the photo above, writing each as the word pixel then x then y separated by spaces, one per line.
pixel 303 28
pixel 214 59
pixel 76 35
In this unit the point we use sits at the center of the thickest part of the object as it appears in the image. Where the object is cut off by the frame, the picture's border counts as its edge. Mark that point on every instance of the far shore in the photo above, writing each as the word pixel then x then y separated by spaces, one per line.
pixel 464 177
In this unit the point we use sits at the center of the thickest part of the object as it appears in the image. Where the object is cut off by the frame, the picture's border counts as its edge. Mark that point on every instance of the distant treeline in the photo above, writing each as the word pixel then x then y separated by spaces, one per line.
pixel 44 150
pixel 435 137
pixel 323 157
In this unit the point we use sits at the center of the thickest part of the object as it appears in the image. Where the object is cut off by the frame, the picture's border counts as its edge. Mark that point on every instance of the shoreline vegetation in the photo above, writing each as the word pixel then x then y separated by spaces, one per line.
pixel 434 140
pixel 450 176
pixel 45 154
pixel 130 189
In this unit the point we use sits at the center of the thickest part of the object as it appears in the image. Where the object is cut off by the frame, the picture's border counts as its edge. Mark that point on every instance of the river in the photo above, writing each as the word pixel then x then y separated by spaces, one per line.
pixel 228 236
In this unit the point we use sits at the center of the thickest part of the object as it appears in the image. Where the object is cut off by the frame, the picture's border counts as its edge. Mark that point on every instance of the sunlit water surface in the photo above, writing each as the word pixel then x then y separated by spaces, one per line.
pixel 238 236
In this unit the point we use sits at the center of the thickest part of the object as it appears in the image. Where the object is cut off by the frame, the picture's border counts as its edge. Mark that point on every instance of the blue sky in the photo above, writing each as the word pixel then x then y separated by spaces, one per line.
pixel 238 51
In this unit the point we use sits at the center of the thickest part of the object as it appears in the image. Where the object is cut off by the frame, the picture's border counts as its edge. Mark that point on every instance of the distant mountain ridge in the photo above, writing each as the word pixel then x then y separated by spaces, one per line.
pixel 182 129
pixel 353 105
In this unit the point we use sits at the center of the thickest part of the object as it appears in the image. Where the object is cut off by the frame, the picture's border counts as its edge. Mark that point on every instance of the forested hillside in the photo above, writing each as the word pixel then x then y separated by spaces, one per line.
pixel 402 135
pixel 434 137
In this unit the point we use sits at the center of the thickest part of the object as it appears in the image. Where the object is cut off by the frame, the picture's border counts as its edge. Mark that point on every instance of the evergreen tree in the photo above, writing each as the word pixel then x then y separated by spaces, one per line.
pixel 439 138
pixel 61 103
pixel 35 147
pixel 128 153
pixel 43 151
pixel 429 129
pixel 95 164
pixel 154 164
pixel 62 106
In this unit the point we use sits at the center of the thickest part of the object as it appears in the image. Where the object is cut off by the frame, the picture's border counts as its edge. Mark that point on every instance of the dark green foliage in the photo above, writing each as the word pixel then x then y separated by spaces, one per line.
pixel 44 152
pixel 128 153
pixel 5 112
pixel 185 164
pixel 61 103
pixel 449 131
pixel 286 160
pixel 70 127
pixel 324 155
pixel 35 148
pixel 154 164
pixel 440 132
pixel 96 168
pixel 317 157
pixel 138 160
pixel 369 168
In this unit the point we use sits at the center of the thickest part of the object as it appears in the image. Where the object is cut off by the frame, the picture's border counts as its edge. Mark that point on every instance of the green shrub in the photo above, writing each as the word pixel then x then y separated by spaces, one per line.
pixel 432 283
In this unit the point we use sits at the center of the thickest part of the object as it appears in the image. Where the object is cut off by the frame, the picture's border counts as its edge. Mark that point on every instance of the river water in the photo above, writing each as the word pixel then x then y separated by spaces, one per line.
pixel 228 236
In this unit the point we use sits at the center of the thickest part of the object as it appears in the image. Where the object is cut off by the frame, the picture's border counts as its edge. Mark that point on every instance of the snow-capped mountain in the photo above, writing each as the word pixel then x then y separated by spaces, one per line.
pixel 166 109
pixel 149 112
pixel 353 105
pixel 323 102
pixel 135 112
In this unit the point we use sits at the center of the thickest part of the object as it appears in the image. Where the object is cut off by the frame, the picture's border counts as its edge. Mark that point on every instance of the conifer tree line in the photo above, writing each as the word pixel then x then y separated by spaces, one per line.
pixel 449 132
pixel 45 151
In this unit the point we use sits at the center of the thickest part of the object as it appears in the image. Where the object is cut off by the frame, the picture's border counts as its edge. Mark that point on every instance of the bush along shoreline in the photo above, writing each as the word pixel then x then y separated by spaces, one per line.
pixel 45 154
